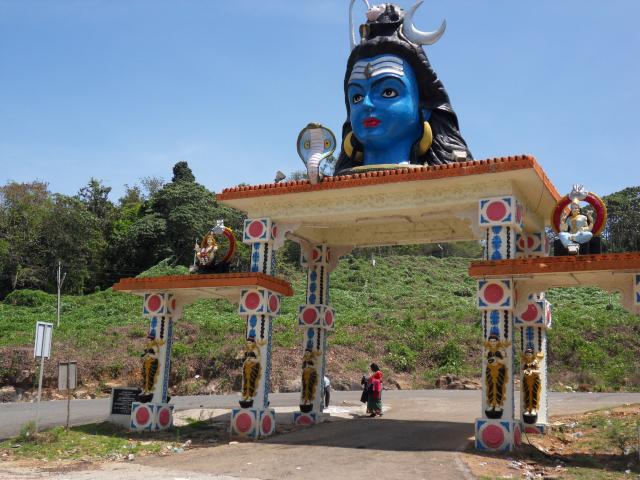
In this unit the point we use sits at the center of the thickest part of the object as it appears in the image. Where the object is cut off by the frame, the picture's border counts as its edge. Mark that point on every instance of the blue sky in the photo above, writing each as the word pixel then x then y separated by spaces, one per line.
pixel 122 89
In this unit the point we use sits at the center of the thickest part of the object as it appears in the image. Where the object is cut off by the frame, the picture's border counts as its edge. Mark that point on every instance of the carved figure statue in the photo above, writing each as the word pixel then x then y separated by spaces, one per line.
pixel 206 251
pixel 577 231
pixel 575 228
pixel 150 369
pixel 495 375
pixel 309 380
pixel 251 369
pixel 398 111
pixel 531 384
pixel 206 258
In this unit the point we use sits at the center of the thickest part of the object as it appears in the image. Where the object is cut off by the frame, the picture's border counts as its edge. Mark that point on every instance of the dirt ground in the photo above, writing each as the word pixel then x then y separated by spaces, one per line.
pixel 569 450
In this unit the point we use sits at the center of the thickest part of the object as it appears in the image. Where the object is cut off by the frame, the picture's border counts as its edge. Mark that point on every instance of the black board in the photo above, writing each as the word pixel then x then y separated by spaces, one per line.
pixel 122 398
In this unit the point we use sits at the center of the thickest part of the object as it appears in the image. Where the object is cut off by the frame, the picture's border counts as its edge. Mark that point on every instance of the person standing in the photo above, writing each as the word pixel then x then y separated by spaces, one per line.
pixel 327 390
pixel 374 387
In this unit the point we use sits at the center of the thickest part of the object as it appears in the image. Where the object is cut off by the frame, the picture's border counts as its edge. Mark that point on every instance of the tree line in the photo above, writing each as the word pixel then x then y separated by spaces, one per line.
pixel 99 241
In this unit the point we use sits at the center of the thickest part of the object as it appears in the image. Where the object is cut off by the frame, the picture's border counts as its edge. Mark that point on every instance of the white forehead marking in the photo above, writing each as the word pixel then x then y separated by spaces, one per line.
pixel 364 69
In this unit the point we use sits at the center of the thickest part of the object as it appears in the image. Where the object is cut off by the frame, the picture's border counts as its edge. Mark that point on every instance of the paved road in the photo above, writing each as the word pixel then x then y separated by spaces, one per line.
pixel 14 415
pixel 420 437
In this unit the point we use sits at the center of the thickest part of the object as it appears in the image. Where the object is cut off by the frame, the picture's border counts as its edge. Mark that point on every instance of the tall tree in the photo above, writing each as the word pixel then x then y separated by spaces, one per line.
pixel 188 208
pixel 95 196
pixel 73 236
pixel 622 231
pixel 182 173
pixel 23 207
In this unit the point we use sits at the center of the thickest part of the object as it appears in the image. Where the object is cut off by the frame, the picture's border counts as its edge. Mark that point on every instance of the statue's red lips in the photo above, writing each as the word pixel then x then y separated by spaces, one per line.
pixel 371 122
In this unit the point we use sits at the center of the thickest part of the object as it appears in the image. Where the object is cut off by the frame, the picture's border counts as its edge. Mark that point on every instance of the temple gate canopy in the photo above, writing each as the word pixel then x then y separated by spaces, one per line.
pixel 404 175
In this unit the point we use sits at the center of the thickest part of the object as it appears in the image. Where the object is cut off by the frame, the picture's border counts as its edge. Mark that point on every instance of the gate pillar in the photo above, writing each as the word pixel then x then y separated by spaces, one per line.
pixel 317 319
pixel 532 321
pixel 258 307
pixel 497 430
pixel 153 411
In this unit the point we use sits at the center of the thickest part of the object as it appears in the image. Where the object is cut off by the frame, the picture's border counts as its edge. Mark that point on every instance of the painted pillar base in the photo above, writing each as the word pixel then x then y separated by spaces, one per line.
pixel 300 418
pixel 498 435
pixel 151 417
pixel 252 423
pixel 535 429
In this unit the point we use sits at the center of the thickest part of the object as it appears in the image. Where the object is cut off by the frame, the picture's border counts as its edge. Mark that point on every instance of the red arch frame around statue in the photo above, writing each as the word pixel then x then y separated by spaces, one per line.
pixel 592 199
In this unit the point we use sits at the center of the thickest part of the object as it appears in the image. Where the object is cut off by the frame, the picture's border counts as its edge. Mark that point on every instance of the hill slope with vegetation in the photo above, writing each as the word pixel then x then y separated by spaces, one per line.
pixel 416 316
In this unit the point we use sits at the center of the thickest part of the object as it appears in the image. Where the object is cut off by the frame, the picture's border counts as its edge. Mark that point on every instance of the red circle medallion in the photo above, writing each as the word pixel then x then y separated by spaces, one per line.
pixel 304 420
pixel 256 229
pixel 492 436
pixel 315 254
pixel 244 422
pixel 273 303
pixel 529 242
pixel 530 314
pixel 252 301
pixel 493 293
pixel 266 424
pixel 274 231
pixel 173 304
pixel 328 317
pixel 154 302
pixel 496 211
pixel 142 415
pixel 309 315
pixel 164 417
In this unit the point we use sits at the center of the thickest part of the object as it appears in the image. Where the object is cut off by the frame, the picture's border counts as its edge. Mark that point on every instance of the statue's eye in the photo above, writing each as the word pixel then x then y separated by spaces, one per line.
pixel 389 93
pixel 307 145
pixel 357 98
pixel 327 144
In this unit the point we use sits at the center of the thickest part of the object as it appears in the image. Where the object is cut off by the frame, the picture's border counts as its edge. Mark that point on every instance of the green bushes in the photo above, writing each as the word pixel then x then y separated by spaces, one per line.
pixel 30 298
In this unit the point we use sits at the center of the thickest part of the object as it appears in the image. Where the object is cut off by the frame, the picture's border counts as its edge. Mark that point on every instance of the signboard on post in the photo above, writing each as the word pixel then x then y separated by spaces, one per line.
pixel 42 350
pixel 67 380
pixel 42 346
pixel 67 371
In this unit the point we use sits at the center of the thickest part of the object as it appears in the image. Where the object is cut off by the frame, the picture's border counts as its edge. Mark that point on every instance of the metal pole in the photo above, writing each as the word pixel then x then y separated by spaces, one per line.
pixel 68 393
pixel 59 293
pixel 44 332
pixel 60 283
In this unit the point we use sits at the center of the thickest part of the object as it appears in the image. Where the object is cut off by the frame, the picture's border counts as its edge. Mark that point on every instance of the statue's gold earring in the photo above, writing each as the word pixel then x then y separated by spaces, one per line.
pixel 347 148
pixel 426 140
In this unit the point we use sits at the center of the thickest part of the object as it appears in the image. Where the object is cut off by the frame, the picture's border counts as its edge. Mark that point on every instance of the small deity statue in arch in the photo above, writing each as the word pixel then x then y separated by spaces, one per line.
pixel 576 228
pixel 206 258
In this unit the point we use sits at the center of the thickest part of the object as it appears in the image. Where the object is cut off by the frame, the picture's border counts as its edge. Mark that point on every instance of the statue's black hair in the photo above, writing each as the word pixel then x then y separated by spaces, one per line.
pixel 386 37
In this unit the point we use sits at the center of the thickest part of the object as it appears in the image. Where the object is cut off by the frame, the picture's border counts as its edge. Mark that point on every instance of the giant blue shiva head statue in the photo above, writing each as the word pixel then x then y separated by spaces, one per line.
pixel 398 111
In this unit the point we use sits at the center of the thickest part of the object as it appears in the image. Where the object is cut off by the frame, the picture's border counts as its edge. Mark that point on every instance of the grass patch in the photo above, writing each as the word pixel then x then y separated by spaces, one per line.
pixel 105 441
